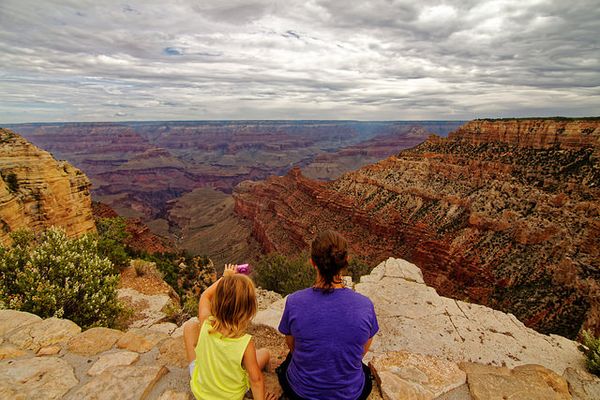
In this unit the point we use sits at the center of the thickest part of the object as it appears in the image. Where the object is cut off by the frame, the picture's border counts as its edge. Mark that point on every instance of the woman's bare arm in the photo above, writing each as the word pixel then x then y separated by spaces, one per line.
pixel 367 346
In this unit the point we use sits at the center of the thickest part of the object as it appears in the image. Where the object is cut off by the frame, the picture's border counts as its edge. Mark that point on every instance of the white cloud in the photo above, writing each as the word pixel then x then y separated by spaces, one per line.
pixel 380 59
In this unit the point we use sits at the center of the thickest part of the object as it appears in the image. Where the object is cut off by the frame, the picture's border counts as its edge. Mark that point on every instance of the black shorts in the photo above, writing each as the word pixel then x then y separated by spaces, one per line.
pixel 289 393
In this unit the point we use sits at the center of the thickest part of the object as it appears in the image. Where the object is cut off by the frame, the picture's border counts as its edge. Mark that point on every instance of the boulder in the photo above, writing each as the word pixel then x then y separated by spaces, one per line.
pixel 12 319
pixel 94 341
pixel 532 382
pixel 164 327
pixel 148 307
pixel 36 378
pixel 111 360
pixel 403 375
pixel 140 340
pixel 582 384
pixel 172 352
pixel 44 333
pixel 123 383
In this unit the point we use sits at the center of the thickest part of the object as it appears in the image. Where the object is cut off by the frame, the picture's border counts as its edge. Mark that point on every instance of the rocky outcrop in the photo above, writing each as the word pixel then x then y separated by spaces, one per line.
pixel 502 213
pixel 433 347
pixel 37 192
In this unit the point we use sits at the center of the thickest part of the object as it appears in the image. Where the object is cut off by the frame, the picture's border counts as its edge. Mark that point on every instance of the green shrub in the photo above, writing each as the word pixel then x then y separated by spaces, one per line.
pixel 282 275
pixel 593 353
pixel 145 268
pixel 52 275
pixel 358 268
pixel 111 240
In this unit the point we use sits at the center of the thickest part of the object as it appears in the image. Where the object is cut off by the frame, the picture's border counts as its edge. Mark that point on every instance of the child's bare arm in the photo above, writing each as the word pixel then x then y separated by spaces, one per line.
pixel 257 381
pixel 289 340
pixel 209 293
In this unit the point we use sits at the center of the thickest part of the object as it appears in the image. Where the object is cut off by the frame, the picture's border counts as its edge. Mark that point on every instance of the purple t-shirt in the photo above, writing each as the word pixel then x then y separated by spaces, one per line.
pixel 330 331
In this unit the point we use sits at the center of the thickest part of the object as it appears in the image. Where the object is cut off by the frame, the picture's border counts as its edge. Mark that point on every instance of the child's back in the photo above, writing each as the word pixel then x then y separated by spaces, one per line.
pixel 218 371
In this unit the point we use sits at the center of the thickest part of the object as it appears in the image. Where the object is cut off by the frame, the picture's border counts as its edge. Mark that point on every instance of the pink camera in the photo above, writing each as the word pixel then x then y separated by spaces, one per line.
pixel 243 269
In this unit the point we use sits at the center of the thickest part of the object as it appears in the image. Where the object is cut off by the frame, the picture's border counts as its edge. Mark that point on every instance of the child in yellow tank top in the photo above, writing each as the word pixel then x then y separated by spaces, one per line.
pixel 224 362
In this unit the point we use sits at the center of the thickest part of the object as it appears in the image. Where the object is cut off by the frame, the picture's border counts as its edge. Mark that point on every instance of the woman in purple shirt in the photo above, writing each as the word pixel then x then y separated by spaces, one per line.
pixel 328 329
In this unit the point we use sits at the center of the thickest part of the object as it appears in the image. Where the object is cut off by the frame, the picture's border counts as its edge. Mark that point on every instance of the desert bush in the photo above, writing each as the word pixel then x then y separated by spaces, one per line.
pixel 111 240
pixel 593 352
pixel 282 275
pixel 358 268
pixel 51 275
pixel 145 268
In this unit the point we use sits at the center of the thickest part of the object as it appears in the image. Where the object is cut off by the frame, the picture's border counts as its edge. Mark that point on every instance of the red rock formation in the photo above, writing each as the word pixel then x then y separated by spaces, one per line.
pixel 37 191
pixel 140 169
pixel 140 238
pixel 502 213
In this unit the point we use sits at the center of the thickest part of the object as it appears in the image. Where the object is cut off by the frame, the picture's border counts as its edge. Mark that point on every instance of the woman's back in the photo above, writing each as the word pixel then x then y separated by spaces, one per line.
pixel 330 330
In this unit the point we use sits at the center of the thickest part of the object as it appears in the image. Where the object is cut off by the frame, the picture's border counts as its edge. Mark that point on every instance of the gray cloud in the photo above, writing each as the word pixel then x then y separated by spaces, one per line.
pixel 379 59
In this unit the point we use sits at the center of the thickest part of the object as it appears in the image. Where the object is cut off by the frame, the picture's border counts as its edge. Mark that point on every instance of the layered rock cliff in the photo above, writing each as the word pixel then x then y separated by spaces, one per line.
pixel 37 192
pixel 502 213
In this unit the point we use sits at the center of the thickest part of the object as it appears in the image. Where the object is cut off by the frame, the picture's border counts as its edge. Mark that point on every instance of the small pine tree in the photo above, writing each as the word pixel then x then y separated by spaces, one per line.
pixel 593 352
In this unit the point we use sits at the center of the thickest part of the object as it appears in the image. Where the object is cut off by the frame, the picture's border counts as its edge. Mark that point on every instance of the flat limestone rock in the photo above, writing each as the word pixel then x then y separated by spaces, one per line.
pixel 172 352
pixel 123 383
pixel 414 318
pixel 8 350
pixel 140 340
pixel 44 333
pixel 94 341
pixel 404 375
pixel 531 382
pixel 148 308
pixel 582 384
pixel 106 361
pixel 12 319
pixel 271 315
pixel 36 378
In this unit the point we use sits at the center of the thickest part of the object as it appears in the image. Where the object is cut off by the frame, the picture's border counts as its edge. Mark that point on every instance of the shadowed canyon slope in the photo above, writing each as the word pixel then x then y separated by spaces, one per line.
pixel 37 192
pixel 502 213
pixel 143 169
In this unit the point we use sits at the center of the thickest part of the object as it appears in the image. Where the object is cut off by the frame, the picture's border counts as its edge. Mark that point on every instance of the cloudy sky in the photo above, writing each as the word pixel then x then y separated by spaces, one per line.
pixel 77 60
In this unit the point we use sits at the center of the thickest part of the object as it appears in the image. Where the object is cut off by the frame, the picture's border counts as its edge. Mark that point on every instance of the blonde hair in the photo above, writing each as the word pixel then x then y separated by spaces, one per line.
pixel 233 306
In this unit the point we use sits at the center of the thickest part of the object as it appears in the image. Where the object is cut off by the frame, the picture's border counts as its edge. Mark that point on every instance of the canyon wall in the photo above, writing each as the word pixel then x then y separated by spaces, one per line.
pixel 37 192
pixel 151 170
pixel 501 213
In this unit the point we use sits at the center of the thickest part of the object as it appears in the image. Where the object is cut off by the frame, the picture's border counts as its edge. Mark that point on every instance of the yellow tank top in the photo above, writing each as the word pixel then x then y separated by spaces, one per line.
pixel 218 374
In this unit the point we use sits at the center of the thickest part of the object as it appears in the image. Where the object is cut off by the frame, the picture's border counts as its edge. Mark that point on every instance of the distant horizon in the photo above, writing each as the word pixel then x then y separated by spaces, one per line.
pixel 556 117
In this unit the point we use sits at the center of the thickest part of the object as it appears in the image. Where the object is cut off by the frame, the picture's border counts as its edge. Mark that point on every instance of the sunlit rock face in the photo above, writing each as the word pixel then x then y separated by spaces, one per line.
pixel 37 191
pixel 502 213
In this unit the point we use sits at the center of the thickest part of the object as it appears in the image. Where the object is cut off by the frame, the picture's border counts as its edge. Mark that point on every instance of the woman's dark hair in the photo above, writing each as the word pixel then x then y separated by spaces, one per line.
pixel 329 252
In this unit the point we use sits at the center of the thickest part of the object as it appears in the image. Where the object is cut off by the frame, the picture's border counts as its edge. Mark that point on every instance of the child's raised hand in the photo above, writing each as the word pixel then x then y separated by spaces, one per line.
pixel 229 269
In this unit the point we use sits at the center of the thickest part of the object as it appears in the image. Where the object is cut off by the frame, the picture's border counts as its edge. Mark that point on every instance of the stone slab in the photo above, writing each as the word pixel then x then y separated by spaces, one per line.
pixel 172 352
pixel 415 376
pixel 123 383
pixel 532 382
pixel 582 384
pixel 12 319
pixel 36 378
pixel 111 360
pixel 94 341
pixel 140 340
pixel 44 333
